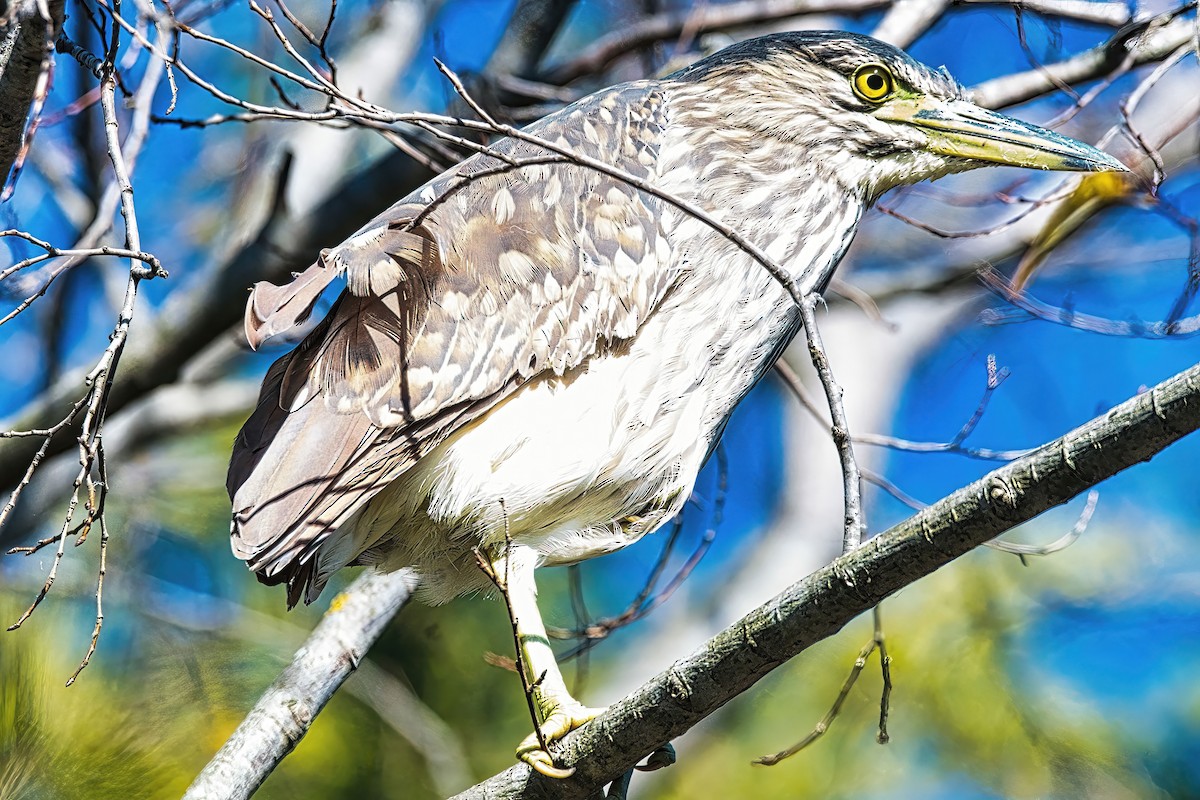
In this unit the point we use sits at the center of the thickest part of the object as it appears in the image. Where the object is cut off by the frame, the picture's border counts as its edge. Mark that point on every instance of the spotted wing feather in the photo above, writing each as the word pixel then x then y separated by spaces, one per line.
pixel 485 277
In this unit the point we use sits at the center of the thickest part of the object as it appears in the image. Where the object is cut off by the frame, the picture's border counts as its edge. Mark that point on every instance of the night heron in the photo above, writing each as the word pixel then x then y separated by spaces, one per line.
pixel 533 360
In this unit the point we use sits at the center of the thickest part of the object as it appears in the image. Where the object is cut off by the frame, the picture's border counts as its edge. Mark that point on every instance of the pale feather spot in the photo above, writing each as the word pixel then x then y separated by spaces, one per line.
pixel 487 302
pixel 606 228
pixel 627 326
pixel 537 297
pixel 632 237
pixel 455 304
pixel 551 288
pixel 366 238
pixel 552 192
pixel 618 197
pixel 503 205
pixel 624 266
pixel 515 266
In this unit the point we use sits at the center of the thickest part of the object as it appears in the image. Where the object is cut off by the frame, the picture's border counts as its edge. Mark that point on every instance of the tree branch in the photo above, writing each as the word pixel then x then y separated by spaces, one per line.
pixel 907 20
pixel 1140 41
pixel 26 52
pixel 821 604
pixel 284 713
pixel 706 18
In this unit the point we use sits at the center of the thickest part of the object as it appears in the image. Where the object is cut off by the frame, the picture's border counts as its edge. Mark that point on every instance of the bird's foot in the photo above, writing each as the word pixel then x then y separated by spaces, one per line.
pixel 560 716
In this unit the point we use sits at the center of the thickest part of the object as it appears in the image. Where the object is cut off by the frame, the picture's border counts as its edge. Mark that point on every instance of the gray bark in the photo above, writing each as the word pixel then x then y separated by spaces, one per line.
pixel 821 604
pixel 284 713
pixel 27 35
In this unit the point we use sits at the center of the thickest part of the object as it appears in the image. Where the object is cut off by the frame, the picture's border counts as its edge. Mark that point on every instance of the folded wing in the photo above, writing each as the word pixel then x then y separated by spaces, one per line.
pixel 495 272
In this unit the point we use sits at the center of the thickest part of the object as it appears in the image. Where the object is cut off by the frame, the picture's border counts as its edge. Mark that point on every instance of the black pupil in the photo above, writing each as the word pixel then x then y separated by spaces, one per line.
pixel 875 82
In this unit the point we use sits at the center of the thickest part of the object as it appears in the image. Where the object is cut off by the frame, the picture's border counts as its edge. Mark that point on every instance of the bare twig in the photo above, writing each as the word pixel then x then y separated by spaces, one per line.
pixel 92 408
pixel 855 521
pixel 100 573
pixel 876 642
pixel 1061 543
pixel 906 20
pixel 1027 307
pixel 995 377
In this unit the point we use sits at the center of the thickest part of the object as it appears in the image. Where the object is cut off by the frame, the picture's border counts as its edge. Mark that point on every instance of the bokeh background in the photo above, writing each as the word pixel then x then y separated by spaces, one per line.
pixel 1065 675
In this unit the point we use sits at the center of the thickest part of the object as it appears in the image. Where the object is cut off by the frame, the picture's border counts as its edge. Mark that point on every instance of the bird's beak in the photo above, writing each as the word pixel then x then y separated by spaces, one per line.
pixel 959 128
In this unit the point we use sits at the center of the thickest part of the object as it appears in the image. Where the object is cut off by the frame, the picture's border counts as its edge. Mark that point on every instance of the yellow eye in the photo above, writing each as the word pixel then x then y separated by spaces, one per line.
pixel 873 83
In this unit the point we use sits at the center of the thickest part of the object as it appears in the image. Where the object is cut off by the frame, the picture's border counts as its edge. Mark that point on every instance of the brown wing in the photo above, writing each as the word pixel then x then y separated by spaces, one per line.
pixel 511 271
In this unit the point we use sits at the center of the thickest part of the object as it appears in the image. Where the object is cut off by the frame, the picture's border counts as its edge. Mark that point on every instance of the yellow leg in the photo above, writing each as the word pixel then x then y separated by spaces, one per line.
pixel 557 711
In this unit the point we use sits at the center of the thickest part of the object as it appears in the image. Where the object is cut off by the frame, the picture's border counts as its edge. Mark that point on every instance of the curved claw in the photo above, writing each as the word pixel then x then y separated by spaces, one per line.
pixel 562 719
pixel 662 757
pixel 541 762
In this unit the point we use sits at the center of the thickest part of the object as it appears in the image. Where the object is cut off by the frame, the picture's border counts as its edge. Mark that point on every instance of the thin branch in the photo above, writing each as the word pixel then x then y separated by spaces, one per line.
pixel 906 20
pixel 1061 543
pixel 1027 307
pixel 822 727
pixel 995 377
pixel 855 520
pixel 281 717
pixel 100 573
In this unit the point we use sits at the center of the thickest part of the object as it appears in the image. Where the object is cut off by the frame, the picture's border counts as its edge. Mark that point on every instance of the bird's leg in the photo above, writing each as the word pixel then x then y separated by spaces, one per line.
pixel 558 713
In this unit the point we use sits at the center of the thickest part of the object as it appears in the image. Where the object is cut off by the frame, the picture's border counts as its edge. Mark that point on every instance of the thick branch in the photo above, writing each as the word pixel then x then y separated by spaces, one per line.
pixel 1153 45
pixel 824 602
pixel 284 713
pixel 704 18
pixel 26 48
pixel 907 20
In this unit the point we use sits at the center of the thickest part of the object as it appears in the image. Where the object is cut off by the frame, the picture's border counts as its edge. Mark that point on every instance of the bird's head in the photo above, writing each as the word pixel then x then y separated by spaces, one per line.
pixel 870 112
